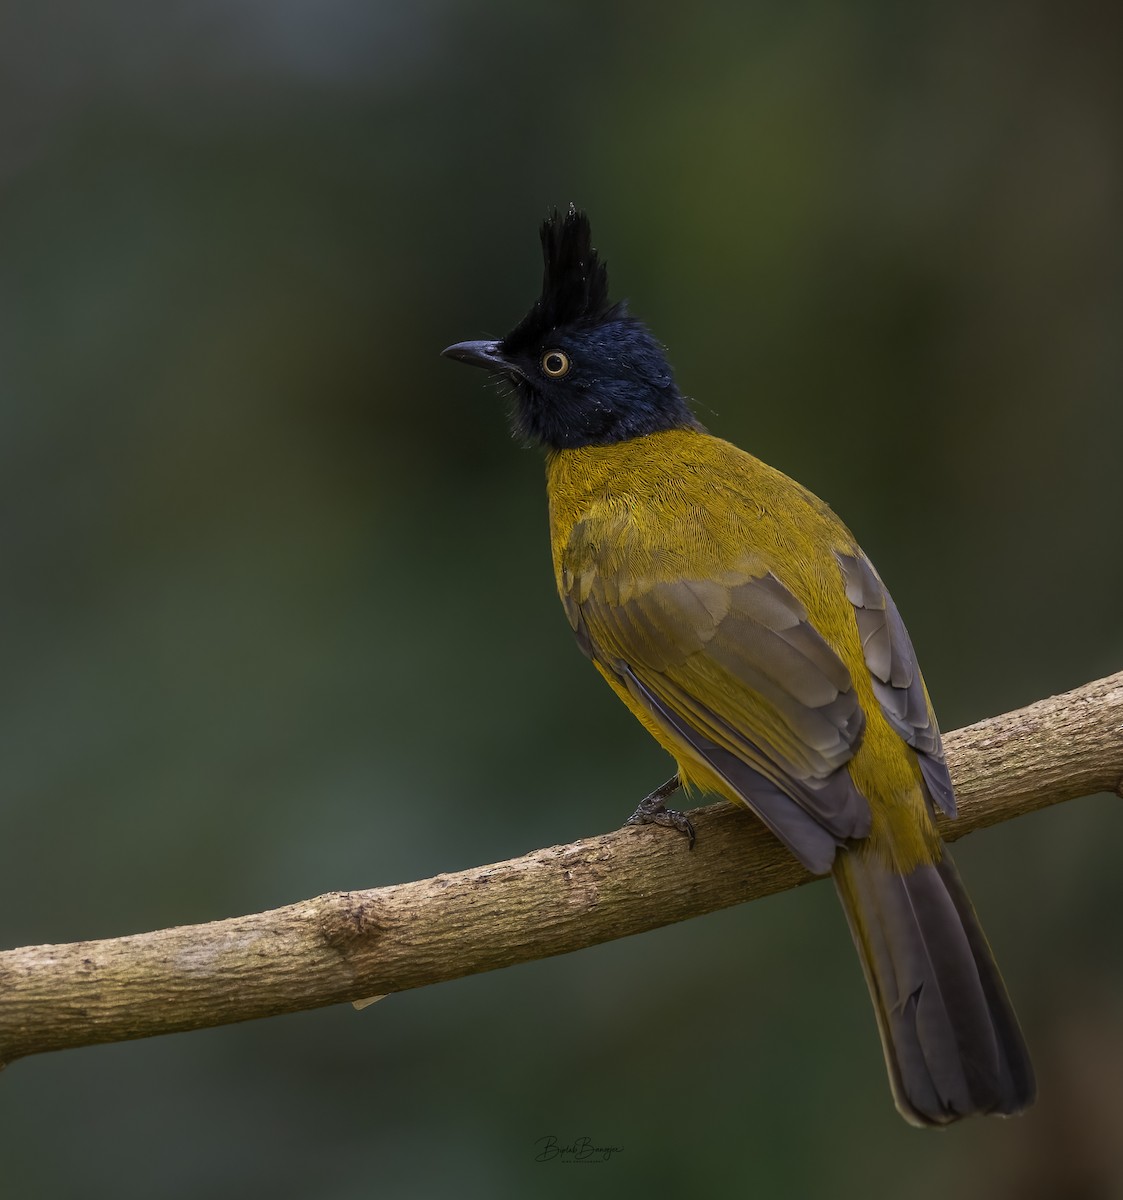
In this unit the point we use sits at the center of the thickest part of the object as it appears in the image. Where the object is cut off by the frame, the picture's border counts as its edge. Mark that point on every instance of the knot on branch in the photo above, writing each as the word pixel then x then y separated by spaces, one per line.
pixel 346 918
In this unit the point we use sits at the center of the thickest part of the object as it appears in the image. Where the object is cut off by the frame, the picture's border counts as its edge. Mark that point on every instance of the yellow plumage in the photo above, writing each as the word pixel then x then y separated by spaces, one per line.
pixel 680 505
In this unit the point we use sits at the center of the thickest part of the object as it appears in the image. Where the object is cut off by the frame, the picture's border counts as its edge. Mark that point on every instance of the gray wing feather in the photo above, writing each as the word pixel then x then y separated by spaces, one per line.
pixel 811 817
pixel 897 681
pixel 746 640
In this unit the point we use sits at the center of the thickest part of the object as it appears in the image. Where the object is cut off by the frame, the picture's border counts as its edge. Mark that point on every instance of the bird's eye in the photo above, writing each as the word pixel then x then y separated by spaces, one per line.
pixel 555 363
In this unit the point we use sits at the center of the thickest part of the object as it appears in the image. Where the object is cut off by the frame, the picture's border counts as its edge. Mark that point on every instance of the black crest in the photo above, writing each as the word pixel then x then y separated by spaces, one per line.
pixel 574 282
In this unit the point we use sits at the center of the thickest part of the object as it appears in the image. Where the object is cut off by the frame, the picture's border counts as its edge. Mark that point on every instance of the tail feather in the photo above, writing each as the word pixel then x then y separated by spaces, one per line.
pixel 952 1042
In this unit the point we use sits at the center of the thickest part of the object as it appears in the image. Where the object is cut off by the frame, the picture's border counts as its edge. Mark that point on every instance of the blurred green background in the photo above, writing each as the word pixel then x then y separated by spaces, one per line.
pixel 277 604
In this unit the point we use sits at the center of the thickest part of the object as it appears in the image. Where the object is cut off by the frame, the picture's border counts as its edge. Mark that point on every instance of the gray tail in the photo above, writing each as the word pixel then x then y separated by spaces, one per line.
pixel 952 1042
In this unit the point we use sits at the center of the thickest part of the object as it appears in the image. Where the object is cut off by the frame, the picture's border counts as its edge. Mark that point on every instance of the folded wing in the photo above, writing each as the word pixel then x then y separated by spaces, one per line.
pixel 897 681
pixel 735 672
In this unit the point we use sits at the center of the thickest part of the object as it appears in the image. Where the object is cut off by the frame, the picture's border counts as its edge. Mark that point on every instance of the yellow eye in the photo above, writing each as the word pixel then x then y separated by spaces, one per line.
pixel 555 363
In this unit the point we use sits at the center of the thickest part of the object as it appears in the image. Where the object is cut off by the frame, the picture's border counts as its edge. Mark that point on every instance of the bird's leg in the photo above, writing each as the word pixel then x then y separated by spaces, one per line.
pixel 652 810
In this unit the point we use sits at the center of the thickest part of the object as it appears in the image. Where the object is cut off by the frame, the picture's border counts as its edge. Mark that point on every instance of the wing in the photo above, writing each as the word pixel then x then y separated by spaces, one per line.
pixel 897 681
pixel 733 668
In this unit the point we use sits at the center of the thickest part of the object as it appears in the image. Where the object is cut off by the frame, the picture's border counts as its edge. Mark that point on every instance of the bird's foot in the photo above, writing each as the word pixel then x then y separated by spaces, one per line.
pixel 653 811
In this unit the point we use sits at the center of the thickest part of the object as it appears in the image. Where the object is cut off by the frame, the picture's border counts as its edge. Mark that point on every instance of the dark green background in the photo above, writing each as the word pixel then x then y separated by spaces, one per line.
pixel 277 608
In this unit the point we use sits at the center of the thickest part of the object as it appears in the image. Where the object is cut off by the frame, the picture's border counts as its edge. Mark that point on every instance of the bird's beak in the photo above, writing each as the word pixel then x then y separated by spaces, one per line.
pixel 479 354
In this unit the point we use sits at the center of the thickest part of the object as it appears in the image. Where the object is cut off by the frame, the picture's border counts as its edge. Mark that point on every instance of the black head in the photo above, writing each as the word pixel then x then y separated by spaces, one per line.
pixel 585 372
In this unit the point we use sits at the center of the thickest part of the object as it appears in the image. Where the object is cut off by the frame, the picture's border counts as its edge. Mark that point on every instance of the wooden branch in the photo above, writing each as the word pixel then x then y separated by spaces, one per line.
pixel 346 945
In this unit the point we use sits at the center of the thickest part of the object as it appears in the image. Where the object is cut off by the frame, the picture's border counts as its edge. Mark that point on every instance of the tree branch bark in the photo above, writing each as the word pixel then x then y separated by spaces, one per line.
pixel 345 945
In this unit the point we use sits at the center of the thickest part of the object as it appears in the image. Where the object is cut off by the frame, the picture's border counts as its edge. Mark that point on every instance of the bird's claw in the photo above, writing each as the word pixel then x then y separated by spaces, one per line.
pixel 653 811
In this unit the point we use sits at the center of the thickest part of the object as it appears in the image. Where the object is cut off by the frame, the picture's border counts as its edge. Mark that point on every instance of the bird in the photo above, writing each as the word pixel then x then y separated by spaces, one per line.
pixel 738 619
